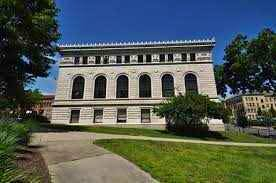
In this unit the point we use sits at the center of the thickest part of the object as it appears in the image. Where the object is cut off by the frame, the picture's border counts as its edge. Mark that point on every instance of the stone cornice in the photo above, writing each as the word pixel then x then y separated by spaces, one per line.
pixel 147 44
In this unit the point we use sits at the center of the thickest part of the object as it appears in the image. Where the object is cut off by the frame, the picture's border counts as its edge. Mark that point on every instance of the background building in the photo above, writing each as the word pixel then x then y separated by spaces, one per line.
pixel 45 106
pixel 247 105
pixel 120 83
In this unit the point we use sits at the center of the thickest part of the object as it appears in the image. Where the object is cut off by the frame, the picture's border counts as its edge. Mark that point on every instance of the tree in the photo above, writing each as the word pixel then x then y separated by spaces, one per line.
pixel 31 99
pixel 250 65
pixel 220 83
pixel 28 37
pixel 188 111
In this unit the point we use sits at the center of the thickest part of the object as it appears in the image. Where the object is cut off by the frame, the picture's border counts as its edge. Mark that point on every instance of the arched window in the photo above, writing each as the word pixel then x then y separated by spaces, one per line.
pixel 144 86
pixel 167 86
pixel 78 88
pixel 100 87
pixel 122 87
pixel 191 83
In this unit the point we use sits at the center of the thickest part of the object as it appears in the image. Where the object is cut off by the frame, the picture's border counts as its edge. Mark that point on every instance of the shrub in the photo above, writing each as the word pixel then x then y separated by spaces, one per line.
pixel 189 111
pixel 11 135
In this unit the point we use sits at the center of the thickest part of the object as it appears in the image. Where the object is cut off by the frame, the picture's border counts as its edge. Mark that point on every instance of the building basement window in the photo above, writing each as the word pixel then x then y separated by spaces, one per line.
pixel 145 115
pixel 75 116
pixel 121 115
pixel 98 115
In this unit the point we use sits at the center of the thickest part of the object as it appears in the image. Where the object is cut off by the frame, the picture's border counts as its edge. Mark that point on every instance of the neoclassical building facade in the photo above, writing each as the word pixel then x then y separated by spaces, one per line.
pixel 120 83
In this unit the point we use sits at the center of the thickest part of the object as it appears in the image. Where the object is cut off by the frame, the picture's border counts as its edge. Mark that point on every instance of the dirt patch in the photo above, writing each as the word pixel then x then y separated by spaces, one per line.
pixel 31 160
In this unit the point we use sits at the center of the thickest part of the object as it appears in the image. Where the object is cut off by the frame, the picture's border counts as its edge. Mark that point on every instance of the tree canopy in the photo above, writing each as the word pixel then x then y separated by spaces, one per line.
pixel 28 37
pixel 249 65
pixel 190 110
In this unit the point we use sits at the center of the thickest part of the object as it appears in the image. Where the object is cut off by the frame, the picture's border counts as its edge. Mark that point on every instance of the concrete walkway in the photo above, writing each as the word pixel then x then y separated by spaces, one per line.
pixel 79 160
pixel 72 157
pixel 75 136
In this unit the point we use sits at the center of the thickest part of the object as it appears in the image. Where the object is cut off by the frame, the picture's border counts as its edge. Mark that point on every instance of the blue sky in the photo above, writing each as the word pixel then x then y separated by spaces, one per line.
pixel 86 21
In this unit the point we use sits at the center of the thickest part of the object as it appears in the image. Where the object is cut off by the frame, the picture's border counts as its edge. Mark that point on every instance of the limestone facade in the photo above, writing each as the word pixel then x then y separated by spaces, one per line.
pixel 133 60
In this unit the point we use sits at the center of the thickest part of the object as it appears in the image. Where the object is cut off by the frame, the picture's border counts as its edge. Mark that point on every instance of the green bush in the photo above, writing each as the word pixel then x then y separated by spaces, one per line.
pixel 12 134
pixel 189 111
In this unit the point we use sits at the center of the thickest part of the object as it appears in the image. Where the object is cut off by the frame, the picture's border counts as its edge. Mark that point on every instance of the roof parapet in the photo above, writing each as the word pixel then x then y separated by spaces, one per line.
pixel 141 43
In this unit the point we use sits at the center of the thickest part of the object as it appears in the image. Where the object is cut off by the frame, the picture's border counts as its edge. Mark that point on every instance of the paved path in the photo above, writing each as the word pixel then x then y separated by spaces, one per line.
pixel 79 160
pixel 72 157
pixel 73 136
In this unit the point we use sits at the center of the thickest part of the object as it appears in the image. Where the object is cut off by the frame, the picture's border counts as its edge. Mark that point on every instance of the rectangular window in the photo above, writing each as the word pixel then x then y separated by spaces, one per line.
pixel 98 115
pixel 148 58
pixel 192 57
pixel 170 57
pixel 106 59
pixel 77 60
pixel 84 60
pixel 145 115
pixel 127 59
pixel 162 57
pixel 140 58
pixel 184 56
pixel 119 59
pixel 75 115
pixel 98 59
pixel 121 115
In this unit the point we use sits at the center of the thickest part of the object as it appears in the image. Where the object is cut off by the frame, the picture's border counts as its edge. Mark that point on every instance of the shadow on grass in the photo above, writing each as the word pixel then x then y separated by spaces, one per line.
pixel 204 135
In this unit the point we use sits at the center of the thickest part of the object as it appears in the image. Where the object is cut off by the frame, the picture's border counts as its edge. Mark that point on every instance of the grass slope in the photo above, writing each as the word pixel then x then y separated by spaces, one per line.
pixel 184 162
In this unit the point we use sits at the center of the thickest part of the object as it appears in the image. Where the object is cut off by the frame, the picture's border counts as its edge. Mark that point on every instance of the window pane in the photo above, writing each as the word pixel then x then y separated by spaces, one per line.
pixel 140 58
pixel 100 87
pixel 148 58
pixel 121 115
pixel 106 60
pixel 184 56
pixel 145 115
pixel 98 115
pixel 167 86
pixel 75 115
pixel 145 86
pixel 77 60
pixel 162 57
pixel 170 57
pixel 127 59
pixel 122 87
pixel 119 59
pixel 98 59
pixel 192 57
pixel 191 83
pixel 78 88
pixel 84 60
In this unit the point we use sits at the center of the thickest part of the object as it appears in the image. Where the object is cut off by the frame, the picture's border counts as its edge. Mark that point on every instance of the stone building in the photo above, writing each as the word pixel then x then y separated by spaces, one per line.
pixel 120 83
pixel 247 105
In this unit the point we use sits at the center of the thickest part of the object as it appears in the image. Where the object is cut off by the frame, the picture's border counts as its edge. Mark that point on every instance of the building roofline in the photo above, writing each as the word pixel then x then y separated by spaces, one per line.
pixel 252 94
pixel 208 42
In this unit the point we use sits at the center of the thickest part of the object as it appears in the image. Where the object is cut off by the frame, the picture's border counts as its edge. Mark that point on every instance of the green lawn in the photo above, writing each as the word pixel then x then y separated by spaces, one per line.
pixel 214 136
pixel 184 162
